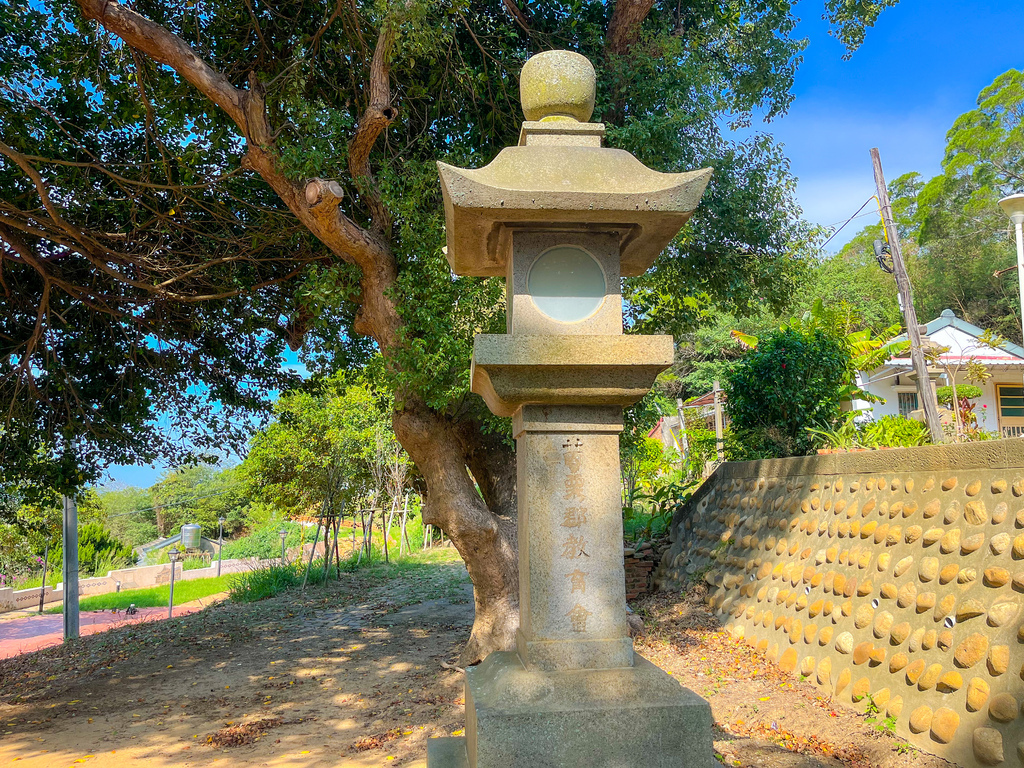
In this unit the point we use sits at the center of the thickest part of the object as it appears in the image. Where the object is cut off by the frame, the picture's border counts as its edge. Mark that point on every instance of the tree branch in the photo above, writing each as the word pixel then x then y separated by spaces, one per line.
pixel 377 116
pixel 624 25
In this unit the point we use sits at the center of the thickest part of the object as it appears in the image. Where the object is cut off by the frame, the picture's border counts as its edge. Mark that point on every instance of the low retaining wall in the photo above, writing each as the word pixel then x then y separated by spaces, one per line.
pixel 140 577
pixel 890 576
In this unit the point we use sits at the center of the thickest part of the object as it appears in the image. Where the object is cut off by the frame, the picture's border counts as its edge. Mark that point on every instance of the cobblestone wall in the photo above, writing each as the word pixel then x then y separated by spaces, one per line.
pixel 891 576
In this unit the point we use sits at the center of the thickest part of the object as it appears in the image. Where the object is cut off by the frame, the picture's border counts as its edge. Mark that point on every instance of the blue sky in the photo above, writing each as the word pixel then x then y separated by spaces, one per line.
pixel 922 66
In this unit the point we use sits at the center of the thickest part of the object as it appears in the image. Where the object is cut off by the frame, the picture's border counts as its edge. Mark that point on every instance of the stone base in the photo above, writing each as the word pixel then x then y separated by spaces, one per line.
pixel 448 752
pixel 608 718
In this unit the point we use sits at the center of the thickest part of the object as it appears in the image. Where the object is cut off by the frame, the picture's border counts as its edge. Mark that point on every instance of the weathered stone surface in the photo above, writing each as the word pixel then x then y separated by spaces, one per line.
pixel 967 575
pixel 945 642
pixel 971 650
pixel 931 509
pixel 899 633
pixel 996 577
pixel 903 566
pixel 950 541
pixel 972 543
pixel 948 573
pixel 898 662
pixel 998 660
pixel 977 694
pixel 844 643
pixel 988 746
pixel 1003 611
pixel 944 725
pixel 973 488
pixel 1003 708
pixel 969 609
pixel 949 682
pixel 932 535
pixel 929 569
pixel 914 670
pixel 944 607
pixel 930 677
pixel 907 595
pixel 925 601
pixel 975 512
pixel 920 719
pixel 949 483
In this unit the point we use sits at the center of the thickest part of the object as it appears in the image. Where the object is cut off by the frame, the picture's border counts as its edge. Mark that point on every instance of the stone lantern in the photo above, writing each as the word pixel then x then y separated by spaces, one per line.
pixel 563 219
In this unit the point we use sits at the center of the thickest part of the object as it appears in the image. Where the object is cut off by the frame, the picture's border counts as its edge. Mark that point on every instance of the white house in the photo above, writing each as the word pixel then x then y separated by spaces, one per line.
pixel 1001 405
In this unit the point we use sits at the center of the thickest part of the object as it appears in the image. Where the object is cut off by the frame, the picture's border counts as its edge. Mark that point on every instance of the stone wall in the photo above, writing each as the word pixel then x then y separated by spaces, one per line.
pixel 889 576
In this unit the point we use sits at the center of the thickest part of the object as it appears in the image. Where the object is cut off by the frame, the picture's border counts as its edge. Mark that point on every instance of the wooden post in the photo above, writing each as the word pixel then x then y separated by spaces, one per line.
pixel 684 442
pixel 70 572
pixel 925 391
pixel 401 532
pixel 719 428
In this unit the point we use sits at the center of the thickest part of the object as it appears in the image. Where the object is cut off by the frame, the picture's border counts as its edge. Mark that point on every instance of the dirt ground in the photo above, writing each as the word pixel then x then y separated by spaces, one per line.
pixel 355 675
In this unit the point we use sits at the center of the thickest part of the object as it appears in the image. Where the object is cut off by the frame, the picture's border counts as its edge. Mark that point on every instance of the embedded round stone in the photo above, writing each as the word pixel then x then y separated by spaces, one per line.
pixel 1018 546
pixel 915 670
pixel 998 486
pixel 971 651
pixel 998 660
pixel 972 543
pixel 824 671
pixel 844 643
pixel 931 509
pixel 862 652
pixel 1003 708
pixel 988 746
pixel 920 719
pixel 860 689
pixel 1003 611
pixel 558 85
pixel 907 595
pixel 898 662
pixel 996 577
pixel 913 534
pixel 969 609
pixel 977 694
pixel 949 484
pixel 950 682
pixel 903 566
pixel 929 569
pixel 999 543
pixel 894 707
pixel 930 677
pixel 973 488
pixel 944 724
pixel 950 542
pixel 944 607
pixel 899 633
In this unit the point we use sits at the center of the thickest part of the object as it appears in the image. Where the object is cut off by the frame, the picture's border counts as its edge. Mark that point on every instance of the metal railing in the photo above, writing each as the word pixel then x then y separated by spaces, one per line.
pixel 1014 431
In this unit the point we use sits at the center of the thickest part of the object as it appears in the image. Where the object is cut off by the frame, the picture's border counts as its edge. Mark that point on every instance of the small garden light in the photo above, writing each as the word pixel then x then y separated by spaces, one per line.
pixel 283 533
pixel 173 555
pixel 220 542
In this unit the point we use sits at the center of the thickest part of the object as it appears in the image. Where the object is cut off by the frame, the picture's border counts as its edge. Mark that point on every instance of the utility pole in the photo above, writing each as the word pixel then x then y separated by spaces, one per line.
pixel 925 392
pixel 70 571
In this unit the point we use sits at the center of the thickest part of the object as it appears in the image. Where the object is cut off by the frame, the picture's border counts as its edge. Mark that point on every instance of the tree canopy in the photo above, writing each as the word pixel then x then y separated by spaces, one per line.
pixel 186 187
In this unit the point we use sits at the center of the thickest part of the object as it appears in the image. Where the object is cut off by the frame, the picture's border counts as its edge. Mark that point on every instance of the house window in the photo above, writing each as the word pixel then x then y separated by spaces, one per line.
pixel 907 402
pixel 1011 401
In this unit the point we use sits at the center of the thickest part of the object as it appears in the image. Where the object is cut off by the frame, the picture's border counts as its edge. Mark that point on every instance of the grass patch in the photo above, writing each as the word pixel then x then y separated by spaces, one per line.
pixel 155 597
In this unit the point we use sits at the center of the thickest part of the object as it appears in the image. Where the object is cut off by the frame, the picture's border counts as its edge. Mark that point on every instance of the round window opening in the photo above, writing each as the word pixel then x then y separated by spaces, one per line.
pixel 566 283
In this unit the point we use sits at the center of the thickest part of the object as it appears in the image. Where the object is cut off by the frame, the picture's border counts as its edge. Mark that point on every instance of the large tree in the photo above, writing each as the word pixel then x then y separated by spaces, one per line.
pixel 166 166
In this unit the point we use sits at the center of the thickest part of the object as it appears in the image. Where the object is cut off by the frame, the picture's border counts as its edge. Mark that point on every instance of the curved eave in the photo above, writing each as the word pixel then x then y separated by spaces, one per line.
pixel 556 186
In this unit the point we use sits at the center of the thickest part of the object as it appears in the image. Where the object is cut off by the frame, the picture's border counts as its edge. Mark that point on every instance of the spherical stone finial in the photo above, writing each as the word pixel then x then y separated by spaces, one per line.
pixel 558 85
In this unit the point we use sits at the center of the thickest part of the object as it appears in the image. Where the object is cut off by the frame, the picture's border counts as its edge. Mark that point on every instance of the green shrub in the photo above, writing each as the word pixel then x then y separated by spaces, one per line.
pixel 273 579
pixel 98 551
pixel 963 392
pixel 792 380
pixel 895 432
pixel 263 542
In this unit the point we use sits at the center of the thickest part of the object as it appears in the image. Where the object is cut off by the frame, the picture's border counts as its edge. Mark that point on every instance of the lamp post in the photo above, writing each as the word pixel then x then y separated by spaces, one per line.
pixel 220 542
pixel 1013 206
pixel 173 555
pixel 283 533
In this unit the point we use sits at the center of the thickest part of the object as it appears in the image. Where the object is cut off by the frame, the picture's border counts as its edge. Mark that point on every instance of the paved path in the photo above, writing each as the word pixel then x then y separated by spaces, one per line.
pixel 31 633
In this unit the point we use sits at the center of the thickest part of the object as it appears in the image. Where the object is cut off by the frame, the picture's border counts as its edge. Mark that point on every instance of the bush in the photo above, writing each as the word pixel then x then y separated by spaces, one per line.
pixel 963 392
pixel 895 432
pixel 270 580
pixel 263 542
pixel 792 380
pixel 99 552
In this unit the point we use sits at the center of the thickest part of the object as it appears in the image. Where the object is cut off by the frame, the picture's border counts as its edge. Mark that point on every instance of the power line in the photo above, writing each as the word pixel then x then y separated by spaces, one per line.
pixel 822 246
pixel 165 506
